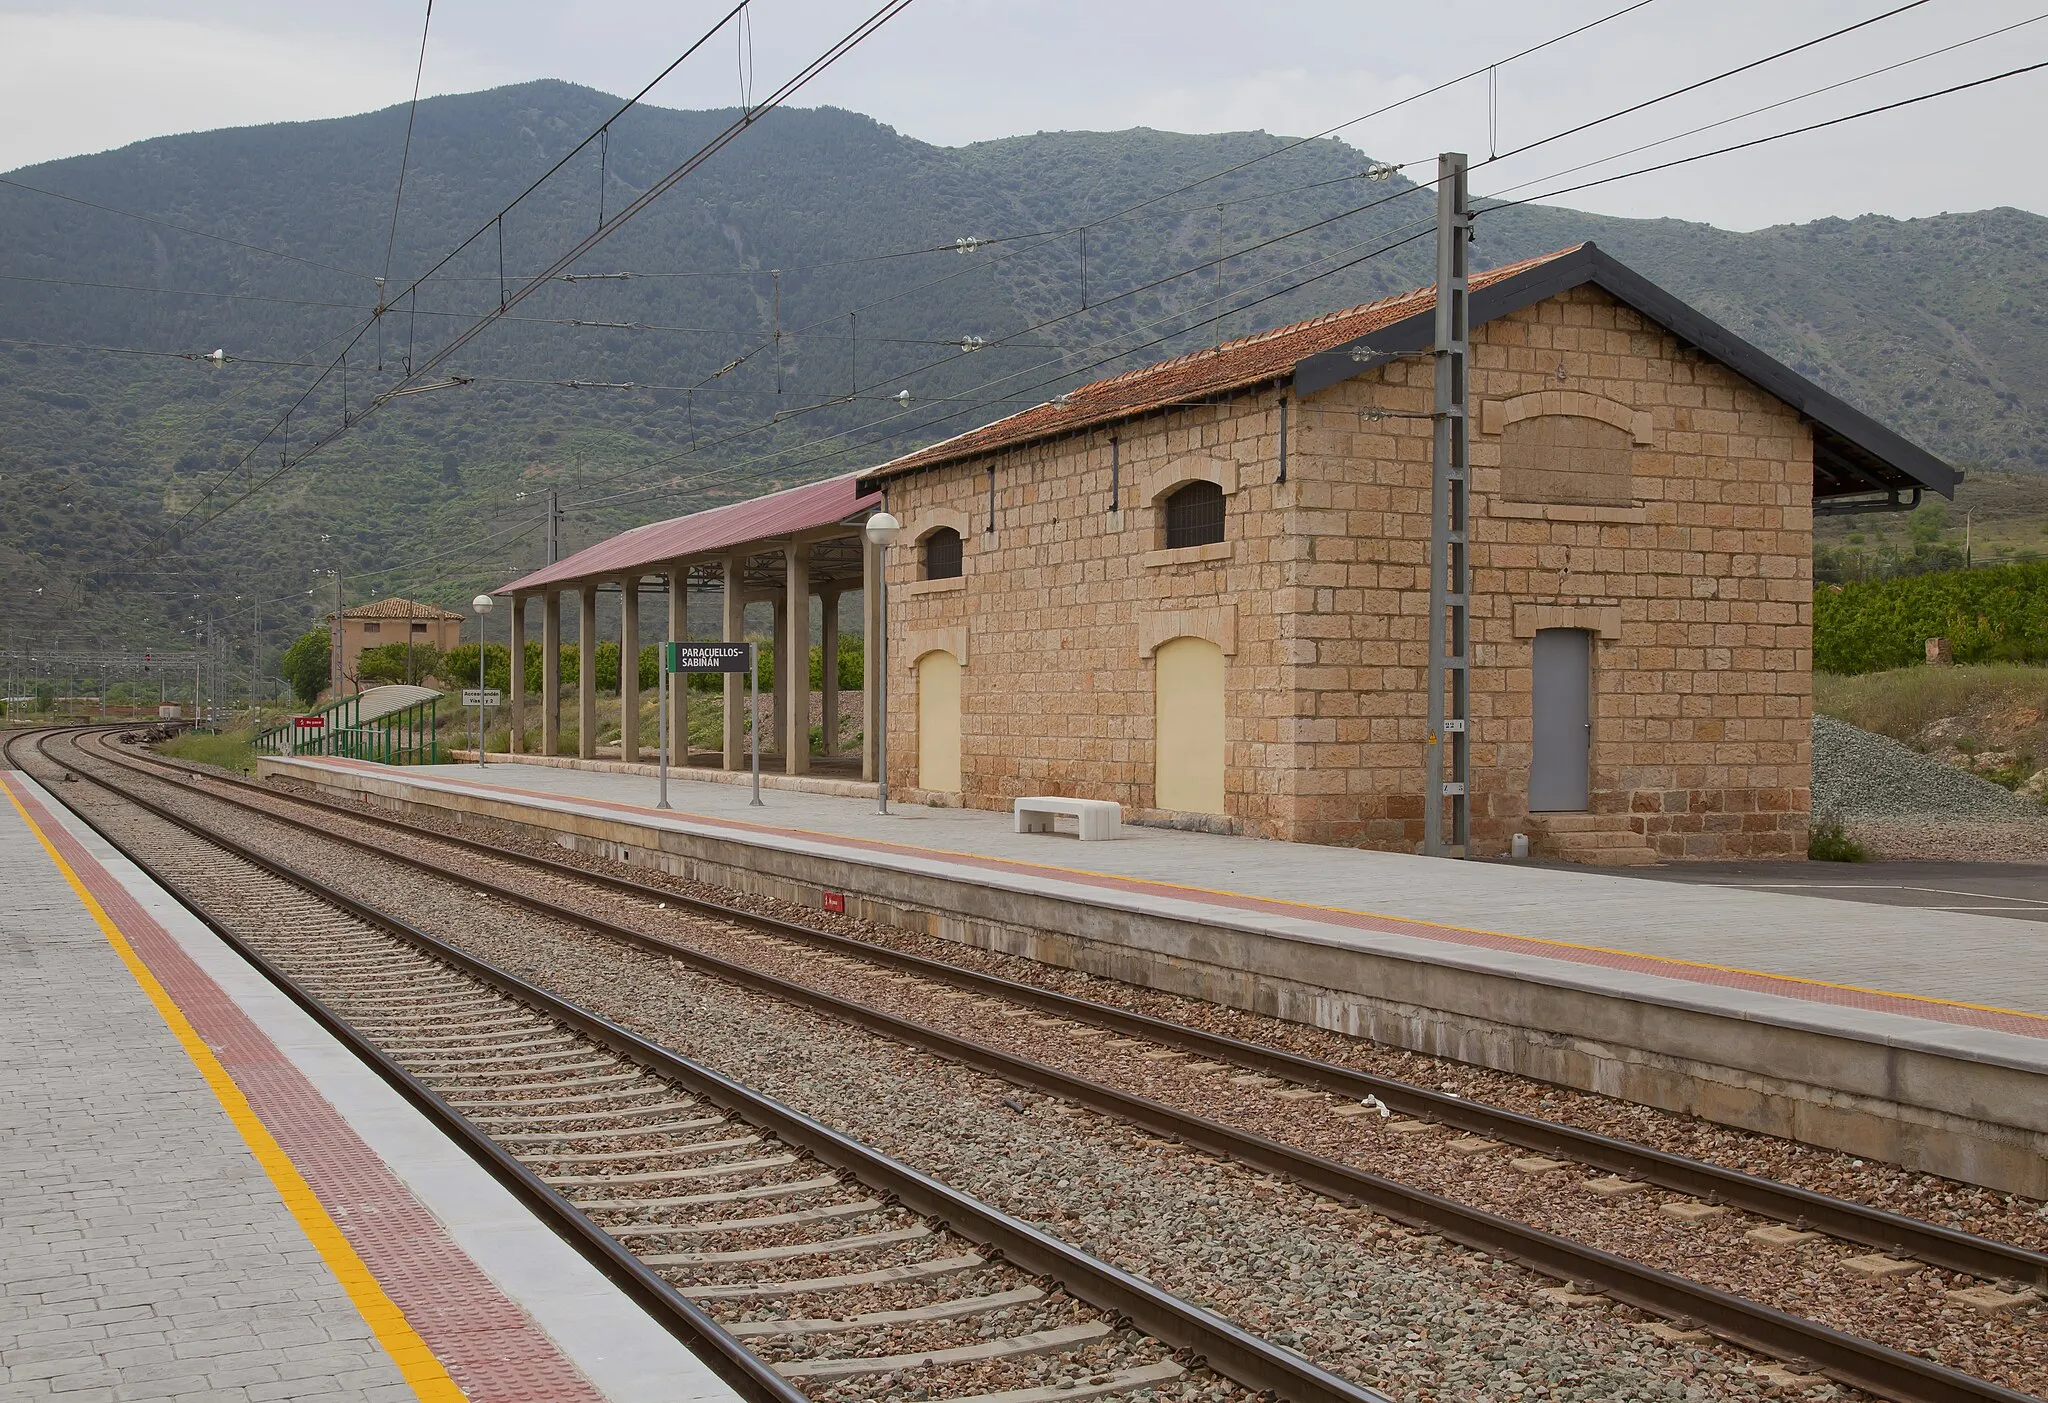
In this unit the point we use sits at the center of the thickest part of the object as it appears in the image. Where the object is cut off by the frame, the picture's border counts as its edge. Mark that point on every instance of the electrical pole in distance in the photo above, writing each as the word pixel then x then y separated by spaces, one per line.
pixel 1448 758
pixel 554 526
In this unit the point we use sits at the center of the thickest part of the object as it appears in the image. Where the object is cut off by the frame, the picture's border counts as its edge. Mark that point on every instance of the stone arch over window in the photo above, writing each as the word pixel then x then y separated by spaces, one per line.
pixel 1566 447
pixel 931 524
pixel 1190 501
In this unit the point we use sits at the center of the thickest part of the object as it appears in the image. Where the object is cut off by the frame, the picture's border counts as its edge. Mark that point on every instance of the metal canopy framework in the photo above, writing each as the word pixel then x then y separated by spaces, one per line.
pixel 1858 463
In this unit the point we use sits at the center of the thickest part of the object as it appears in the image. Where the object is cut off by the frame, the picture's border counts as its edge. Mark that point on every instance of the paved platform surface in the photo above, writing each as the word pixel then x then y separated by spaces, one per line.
pixel 2015 890
pixel 204 1196
pixel 1968 983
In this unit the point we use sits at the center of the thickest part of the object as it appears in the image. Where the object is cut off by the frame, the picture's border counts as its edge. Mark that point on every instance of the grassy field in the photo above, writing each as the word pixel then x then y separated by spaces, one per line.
pixel 229 751
pixel 1904 702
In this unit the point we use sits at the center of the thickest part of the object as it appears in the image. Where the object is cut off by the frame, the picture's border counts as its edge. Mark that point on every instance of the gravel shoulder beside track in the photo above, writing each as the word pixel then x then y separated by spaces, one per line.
pixel 1401 1311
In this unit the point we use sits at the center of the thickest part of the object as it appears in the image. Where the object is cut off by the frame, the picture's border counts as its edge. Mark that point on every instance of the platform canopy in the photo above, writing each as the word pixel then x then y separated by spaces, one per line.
pixel 743 526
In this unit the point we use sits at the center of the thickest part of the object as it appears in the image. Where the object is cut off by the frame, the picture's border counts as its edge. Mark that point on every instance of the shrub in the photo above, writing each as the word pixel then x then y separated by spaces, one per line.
pixel 1997 614
pixel 388 663
pixel 1827 841
pixel 306 665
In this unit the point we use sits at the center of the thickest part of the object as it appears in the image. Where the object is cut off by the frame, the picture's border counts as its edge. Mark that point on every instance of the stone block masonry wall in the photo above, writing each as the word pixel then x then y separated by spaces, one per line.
pixel 1696 587
pixel 1059 606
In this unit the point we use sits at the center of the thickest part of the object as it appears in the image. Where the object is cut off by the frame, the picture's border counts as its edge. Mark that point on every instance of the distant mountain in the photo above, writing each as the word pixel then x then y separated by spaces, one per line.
pixel 1938 326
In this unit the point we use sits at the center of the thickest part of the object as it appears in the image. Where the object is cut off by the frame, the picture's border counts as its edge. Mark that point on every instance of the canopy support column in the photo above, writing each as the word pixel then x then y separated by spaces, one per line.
pixel 828 676
pixel 629 669
pixel 551 673
pixel 795 694
pixel 678 685
pixel 586 671
pixel 516 739
pixel 735 682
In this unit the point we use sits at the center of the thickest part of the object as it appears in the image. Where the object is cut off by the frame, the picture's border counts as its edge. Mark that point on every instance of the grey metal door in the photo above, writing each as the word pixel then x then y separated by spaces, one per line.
pixel 1562 705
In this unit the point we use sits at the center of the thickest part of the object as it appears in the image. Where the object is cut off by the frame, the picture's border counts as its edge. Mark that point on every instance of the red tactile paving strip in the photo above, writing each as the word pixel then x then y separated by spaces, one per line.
pixel 493 1351
pixel 1783 986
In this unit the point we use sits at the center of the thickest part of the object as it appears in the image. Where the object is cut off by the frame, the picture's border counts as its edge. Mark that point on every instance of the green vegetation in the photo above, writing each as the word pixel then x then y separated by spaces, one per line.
pixel 1999 614
pixel 1827 842
pixel 400 662
pixel 228 751
pixel 1934 326
pixel 307 665
pixel 1904 702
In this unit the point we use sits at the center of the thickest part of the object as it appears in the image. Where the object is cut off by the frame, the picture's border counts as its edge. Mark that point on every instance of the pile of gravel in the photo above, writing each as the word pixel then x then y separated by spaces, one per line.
pixel 1857 774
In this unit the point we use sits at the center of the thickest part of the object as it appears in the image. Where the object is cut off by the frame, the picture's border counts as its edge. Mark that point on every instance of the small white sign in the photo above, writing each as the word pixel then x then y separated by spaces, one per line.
pixel 488 697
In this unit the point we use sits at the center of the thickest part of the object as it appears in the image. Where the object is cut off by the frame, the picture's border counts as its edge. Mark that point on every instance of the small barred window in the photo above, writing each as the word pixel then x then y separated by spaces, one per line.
pixel 1194 516
pixel 942 554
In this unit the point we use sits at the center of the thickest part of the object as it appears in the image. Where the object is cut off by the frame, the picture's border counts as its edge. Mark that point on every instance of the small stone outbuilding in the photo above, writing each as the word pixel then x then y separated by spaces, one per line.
pixel 380 622
pixel 1200 589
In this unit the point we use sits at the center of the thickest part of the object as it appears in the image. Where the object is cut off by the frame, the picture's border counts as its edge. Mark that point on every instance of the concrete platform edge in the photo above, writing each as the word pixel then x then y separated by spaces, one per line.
pixel 1964 1102
pixel 620 1349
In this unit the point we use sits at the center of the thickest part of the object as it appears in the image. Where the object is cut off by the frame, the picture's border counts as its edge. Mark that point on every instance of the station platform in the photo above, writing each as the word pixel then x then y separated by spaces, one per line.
pixel 204 1196
pixel 1913 1035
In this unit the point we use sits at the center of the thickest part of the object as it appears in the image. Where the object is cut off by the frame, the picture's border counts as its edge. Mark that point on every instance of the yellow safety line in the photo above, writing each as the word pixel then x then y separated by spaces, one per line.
pixel 909 850
pixel 429 1381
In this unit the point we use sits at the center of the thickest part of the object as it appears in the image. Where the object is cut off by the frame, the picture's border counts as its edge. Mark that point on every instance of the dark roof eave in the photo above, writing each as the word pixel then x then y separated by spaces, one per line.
pixel 1588 264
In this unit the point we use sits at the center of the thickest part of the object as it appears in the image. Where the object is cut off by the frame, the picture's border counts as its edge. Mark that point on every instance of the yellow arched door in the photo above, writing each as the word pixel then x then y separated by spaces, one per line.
pixel 938 721
pixel 1188 676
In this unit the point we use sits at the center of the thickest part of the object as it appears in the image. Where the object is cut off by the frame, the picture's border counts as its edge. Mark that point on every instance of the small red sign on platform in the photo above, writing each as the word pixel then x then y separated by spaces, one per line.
pixel 310 723
pixel 836 901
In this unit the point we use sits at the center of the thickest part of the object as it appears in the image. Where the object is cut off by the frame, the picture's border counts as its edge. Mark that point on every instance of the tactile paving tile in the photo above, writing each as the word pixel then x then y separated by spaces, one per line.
pixel 490 1347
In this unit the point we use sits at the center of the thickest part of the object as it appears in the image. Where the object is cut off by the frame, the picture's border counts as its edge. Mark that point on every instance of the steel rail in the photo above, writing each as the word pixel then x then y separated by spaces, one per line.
pixel 1951 1248
pixel 1861 1362
pixel 1237 1354
pixel 748 1375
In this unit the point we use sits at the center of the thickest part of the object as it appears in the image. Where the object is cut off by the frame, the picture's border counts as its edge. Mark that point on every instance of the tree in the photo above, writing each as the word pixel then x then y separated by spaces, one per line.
pixel 387 664
pixel 307 664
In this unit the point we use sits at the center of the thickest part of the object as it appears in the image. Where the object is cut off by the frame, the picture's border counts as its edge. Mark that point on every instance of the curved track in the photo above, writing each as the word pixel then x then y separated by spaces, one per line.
pixel 786 1253
pixel 1862 1362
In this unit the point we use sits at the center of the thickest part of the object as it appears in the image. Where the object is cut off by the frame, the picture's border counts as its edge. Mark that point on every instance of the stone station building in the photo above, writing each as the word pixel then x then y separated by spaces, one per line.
pixel 1201 588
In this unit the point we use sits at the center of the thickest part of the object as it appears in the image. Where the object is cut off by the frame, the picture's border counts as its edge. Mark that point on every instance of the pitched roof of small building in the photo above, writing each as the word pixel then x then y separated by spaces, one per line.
pixel 1853 454
pixel 394 608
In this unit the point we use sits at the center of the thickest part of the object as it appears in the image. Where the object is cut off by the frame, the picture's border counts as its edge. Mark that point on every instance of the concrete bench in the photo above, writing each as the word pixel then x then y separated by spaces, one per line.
pixel 1098 818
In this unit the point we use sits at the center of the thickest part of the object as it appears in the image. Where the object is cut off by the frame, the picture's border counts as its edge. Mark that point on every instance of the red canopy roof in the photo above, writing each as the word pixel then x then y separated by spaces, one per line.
pixel 778 515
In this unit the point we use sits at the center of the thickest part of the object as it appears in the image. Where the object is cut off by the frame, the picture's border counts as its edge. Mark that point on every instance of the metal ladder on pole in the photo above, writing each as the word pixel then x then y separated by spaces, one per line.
pixel 1448 761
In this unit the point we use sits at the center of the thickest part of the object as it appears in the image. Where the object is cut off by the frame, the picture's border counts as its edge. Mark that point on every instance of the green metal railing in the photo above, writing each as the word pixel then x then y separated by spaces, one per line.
pixel 407 736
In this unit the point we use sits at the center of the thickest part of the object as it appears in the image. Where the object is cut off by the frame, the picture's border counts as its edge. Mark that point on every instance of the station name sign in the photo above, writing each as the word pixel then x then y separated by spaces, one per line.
pixel 707 657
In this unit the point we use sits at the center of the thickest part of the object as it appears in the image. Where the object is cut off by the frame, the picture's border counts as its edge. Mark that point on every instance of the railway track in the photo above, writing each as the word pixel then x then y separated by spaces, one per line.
pixel 1805 1343
pixel 801 1262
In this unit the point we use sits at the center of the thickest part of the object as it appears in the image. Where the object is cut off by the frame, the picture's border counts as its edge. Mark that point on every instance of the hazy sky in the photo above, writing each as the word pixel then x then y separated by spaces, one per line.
pixel 82 77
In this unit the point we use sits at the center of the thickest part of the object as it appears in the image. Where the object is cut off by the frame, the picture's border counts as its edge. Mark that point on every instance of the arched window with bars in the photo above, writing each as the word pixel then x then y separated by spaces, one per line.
pixel 1194 515
pixel 942 551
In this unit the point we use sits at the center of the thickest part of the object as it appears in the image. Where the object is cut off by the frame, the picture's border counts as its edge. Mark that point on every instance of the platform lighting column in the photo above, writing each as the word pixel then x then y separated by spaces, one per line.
pixel 882 531
pixel 629 669
pixel 482 605
pixel 551 673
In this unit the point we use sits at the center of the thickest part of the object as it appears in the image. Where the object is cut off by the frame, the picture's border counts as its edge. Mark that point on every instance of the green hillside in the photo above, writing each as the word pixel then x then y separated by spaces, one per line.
pixel 1937 326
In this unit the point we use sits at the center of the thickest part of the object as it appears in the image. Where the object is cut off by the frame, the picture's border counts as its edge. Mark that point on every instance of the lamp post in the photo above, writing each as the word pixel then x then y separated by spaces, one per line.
pixel 482 605
pixel 882 531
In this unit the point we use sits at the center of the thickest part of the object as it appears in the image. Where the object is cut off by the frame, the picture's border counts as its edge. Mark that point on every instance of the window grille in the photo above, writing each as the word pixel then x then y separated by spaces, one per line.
pixel 1194 516
pixel 942 554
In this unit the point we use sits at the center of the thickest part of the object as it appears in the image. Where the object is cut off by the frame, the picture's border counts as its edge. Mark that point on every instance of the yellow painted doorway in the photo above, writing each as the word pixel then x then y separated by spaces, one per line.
pixel 1188 775
pixel 938 721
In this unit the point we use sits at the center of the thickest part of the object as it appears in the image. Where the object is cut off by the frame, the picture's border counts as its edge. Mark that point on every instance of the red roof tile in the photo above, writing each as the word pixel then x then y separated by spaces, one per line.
pixel 1214 370
pixel 779 514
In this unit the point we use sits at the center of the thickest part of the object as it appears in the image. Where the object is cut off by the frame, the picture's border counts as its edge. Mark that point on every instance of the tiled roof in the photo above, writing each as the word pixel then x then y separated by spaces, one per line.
pixel 1234 365
pixel 398 609
pixel 655 545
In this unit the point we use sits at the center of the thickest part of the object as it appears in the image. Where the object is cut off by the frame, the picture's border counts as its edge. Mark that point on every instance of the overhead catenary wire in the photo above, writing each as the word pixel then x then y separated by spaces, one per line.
pixel 415 370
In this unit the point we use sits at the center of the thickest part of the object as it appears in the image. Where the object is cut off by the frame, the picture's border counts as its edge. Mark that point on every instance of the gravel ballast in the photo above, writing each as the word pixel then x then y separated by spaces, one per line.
pixel 1858 774
pixel 1401 1310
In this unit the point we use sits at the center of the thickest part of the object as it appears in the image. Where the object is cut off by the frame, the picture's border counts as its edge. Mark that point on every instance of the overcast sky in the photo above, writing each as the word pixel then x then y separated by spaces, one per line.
pixel 81 77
